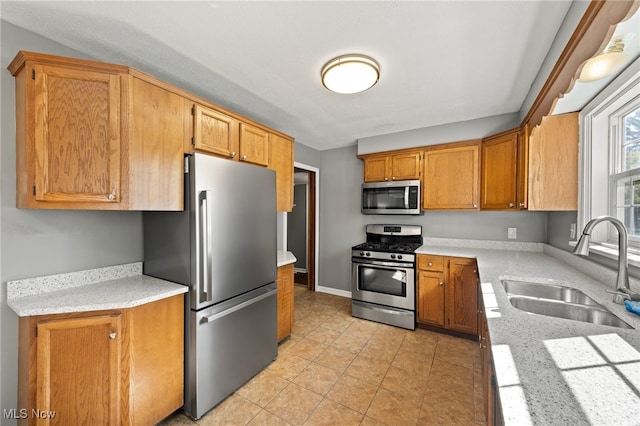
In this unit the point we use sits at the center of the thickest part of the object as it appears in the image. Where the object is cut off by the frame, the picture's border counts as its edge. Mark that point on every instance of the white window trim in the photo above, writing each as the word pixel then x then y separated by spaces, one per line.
pixel 595 114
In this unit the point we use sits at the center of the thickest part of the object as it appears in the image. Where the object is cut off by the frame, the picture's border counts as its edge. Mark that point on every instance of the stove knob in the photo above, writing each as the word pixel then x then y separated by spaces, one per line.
pixel 393 256
pixel 361 253
pixel 399 256
pixel 367 254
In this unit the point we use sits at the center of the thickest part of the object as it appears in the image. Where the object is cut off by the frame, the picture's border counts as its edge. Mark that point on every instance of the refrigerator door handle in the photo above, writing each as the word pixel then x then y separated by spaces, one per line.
pixel 205 286
pixel 213 317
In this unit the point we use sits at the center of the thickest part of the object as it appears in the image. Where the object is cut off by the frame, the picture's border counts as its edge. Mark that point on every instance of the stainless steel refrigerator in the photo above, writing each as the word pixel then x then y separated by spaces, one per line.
pixel 223 246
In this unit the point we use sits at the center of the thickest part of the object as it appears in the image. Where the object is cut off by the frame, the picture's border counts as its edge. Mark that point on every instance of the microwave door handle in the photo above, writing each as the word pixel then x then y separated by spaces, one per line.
pixel 406 196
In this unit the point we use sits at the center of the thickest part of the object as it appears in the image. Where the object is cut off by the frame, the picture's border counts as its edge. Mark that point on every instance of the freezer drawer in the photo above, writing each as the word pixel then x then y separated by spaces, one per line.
pixel 229 344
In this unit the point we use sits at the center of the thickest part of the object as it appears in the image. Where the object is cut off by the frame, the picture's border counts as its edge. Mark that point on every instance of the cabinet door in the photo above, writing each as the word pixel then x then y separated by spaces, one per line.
pixel 553 161
pixel 522 180
pixel 215 132
pixel 285 301
pixel 254 145
pixel 77 141
pixel 78 369
pixel 499 168
pixel 452 178
pixel 376 169
pixel 281 160
pixel 156 146
pixel 430 298
pixel 406 166
pixel 462 297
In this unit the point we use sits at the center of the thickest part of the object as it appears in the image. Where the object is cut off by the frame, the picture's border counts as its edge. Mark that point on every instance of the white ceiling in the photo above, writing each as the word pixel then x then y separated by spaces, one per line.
pixel 441 61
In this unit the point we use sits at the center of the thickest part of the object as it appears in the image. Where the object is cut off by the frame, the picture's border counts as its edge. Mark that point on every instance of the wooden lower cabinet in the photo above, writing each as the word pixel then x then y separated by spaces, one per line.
pixel 115 367
pixel 285 301
pixel 492 410
pixel 447 293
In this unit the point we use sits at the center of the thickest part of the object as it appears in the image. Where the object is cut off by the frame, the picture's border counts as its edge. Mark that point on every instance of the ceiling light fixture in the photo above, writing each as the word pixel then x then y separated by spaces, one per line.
pixel 350 74
pixel 606 63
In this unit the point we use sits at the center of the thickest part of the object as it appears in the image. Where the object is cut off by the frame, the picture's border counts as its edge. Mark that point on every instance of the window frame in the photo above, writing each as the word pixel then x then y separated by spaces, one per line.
pixel 597 193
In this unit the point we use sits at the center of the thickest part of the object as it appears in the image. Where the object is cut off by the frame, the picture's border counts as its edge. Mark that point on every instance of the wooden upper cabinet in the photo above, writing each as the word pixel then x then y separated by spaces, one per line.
pixel 403 165
pixel 215 132
pixel 90 135
pixel 553 163
pixel 73 118
pixel 451 178
pixel 156 148
pixel 406 165
pixel 522 178
pixel 254 145
pixel 499 171
pixel 281 160
pixel 376 168
pixel 221 134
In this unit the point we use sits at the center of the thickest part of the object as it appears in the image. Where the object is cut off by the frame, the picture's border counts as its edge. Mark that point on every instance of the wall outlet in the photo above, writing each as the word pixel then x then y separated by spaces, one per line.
pixel 512 233
pixel 572 231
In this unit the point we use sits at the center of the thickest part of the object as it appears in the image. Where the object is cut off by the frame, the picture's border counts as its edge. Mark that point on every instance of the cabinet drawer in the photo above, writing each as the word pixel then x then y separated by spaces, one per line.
pixel 427 262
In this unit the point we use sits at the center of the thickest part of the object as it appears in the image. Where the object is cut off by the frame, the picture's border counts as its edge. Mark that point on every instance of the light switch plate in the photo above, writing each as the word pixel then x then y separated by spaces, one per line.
pixel 512 233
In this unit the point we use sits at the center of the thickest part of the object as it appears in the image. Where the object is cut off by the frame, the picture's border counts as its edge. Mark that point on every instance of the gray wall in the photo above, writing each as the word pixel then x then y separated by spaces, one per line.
pixel 559 229
pixel 34 242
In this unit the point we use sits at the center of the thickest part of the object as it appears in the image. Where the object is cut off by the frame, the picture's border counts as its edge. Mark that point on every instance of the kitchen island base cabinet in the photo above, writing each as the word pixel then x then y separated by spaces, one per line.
pixel 285 301
pixel 447 293
pixel 112 367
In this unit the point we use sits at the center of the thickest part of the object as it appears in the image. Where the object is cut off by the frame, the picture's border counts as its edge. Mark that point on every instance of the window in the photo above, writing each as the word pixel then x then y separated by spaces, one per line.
pixel 625 178
pixel 610 158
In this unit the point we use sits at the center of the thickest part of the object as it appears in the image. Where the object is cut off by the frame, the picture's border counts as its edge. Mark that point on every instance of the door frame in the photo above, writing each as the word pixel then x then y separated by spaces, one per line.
pixel 313 223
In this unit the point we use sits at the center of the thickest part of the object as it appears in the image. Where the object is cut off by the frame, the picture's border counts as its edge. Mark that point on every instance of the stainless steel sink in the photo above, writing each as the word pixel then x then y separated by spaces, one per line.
pixel 548 291
pixel 560 302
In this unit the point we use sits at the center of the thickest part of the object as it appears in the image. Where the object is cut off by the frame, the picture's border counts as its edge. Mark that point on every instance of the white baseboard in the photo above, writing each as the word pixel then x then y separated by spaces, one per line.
pixel 300 270
pixel 334 291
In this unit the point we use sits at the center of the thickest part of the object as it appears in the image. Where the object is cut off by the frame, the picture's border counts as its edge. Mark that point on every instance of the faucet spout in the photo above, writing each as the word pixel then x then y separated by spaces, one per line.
pixel 582 249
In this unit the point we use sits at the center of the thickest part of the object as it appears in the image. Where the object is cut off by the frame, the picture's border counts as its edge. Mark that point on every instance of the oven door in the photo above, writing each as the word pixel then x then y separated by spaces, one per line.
pixel 384 283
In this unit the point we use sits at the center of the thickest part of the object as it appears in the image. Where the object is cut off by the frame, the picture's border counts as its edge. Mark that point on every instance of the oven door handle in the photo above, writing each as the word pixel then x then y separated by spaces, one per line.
pixel 378 263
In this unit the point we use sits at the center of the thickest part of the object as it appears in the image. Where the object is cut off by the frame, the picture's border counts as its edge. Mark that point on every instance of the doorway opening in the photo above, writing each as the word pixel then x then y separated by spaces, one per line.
pixel 302 225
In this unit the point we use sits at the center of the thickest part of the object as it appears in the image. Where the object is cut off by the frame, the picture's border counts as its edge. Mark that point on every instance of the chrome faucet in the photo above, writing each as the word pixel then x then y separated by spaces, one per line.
pixel 582 249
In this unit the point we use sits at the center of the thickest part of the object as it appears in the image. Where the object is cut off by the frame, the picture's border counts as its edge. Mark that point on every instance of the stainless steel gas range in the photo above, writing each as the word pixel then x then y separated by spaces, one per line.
pixel 384 275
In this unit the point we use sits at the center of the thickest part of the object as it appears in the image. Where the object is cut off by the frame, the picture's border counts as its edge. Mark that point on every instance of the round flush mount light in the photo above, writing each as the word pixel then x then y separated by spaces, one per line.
pixel 350 74
pixel 606 63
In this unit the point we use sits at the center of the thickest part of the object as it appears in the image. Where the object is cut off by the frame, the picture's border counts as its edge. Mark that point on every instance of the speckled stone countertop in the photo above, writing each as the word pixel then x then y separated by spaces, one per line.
pixel 285 258
pixel 114 287
pixel 553 371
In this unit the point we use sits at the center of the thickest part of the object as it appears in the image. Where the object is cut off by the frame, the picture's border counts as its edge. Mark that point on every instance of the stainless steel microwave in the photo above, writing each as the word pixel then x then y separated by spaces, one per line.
pixel 395 197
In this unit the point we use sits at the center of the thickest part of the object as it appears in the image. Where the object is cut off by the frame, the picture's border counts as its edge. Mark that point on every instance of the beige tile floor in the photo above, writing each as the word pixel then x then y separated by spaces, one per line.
pixel 340 370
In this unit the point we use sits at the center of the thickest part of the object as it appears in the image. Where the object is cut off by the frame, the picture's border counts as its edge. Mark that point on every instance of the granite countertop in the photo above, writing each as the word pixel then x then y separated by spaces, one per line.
pixel 285 258
pixel 116 287
pixel 551 370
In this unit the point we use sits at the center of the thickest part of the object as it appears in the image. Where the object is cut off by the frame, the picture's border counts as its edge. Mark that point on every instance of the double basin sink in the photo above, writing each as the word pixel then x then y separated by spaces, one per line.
pixel 560 302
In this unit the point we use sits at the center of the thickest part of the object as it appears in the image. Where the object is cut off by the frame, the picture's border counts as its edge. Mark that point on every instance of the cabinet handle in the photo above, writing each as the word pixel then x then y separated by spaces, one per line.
pixel 393 178
pixel 244 157
pixel 233 154
pixel 112 196
pixel 511 205
pixel 112 335
pixel 386 179
pixel 475 206
pixel 430 263
pixel 441 283
pixel 521 205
